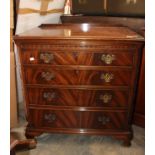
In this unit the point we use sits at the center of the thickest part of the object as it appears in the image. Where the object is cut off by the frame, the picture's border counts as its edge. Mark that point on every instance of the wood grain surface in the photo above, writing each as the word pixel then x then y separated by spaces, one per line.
pixel 80 81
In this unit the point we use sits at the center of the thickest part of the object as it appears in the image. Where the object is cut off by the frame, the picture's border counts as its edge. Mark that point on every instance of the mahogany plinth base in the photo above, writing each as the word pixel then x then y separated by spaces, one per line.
pixel 124 136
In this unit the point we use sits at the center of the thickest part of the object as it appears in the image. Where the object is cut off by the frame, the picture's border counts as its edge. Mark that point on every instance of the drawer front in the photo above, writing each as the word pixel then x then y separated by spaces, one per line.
pixel 78 58
pixel 78 119
pixel 75 97
pixel 55 118
pixel 35 75
pixel 104 120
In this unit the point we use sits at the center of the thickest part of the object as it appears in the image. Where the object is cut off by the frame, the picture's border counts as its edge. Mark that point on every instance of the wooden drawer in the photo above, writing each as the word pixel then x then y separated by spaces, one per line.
pixel 101 58
pixel 76 97
pixel 34 75
pixel 104 120
pixel 55 118
pixel 78 119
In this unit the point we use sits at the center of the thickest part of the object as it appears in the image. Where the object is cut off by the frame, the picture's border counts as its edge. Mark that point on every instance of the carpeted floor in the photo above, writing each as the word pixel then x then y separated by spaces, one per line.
pixel 60 144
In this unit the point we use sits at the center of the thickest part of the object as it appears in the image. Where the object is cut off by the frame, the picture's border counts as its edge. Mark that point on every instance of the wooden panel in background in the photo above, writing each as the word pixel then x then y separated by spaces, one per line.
pixel 129 8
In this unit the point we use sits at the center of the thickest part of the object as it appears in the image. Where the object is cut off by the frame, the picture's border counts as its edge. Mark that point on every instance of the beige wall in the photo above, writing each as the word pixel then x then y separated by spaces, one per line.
pixel 13 97
pixel 11 14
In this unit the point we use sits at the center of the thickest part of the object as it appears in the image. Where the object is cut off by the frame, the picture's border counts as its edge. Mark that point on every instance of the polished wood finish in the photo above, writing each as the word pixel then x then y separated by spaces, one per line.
pixel 78 97
pixel 134 23
pixel 78 32
pixel 82 57
pixel 80 78
pixel 104 120
pixel 63 76
pixel 63 119
pixel 138 25
pixel 139 113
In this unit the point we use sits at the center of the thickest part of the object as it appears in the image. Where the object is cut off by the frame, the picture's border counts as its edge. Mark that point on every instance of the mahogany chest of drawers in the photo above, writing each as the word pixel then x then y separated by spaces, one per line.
pixel 79 78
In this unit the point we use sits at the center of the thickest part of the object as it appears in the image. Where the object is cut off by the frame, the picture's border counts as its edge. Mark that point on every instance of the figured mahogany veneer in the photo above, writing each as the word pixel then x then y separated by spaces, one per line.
pixel 77 97
pixel 78 120
pixel 89 58
pixel 49 75
pixel 79 78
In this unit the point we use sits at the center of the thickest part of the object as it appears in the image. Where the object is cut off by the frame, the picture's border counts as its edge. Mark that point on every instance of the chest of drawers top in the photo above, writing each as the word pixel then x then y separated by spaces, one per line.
pixel 80 31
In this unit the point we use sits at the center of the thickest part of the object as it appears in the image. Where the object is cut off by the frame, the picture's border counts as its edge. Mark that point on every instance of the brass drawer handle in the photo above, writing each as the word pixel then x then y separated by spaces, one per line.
pixel 107 77
pixel 103 120
pixel 106 98
pixel 46 57
pixel 47 76
pixel 107 58
pixel 50 117
pixel 49 96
